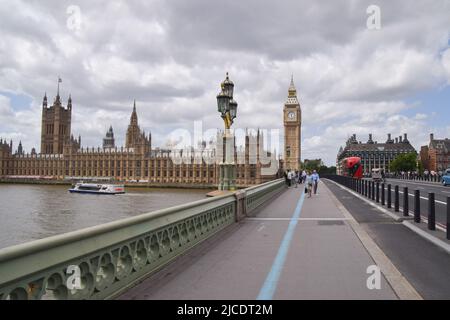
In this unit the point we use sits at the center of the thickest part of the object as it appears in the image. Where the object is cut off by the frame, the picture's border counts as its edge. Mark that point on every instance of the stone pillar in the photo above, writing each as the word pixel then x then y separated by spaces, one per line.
pixel 241 208
pixel 227 166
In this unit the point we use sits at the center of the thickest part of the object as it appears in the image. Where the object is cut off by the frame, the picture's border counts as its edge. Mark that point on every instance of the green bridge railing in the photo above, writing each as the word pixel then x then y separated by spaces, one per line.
pixel 101 262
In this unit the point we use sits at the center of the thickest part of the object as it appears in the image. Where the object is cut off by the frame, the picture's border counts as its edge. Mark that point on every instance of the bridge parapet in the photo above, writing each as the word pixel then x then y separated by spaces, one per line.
pixel 112 257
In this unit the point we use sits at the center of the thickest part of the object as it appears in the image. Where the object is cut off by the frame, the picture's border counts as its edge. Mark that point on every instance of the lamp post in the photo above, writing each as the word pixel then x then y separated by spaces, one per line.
pixel 228 110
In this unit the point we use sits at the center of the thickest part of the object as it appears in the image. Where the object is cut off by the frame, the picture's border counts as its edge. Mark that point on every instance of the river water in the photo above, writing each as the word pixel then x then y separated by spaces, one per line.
pixel 30 212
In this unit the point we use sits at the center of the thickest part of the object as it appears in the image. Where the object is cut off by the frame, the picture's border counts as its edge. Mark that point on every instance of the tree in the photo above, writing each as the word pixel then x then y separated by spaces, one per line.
pixel 323 170
pixel 311 165
pixel 420 167
pixel 404 162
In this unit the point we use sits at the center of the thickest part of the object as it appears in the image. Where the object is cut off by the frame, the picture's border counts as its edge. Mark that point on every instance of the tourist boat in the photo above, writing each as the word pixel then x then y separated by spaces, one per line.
pixel 98 188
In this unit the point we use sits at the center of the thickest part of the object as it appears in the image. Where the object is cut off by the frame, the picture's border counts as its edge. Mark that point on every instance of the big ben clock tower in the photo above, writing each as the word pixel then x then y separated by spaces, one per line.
pixel 292 115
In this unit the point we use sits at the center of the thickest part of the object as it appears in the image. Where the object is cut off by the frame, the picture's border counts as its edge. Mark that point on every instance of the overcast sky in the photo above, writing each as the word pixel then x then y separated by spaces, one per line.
pixel 172 55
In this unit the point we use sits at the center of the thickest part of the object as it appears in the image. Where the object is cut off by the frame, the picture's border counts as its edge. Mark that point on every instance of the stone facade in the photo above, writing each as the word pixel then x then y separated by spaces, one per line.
pixel 373 154
pixel 136 162
pixel 436 155
pixel 292 117
pixel 108 140
pixel 55 128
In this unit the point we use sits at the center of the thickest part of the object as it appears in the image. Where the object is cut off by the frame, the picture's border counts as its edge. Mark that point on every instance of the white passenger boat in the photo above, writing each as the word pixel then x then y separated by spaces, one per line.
pixel 98 188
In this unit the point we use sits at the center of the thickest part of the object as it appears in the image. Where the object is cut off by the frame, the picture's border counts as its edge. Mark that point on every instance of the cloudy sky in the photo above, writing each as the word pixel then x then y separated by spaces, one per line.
pixel 172 55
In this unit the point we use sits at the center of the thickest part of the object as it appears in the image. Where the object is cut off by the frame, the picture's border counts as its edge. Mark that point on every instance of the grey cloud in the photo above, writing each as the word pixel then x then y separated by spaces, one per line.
pixel 172 55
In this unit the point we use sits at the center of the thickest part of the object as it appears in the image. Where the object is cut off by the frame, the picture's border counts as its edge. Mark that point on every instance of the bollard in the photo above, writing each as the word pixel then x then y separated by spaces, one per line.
pixel 389 194
pixel 448 218
pixel 372 190
pixel 365 188
pixel 382 195
pixel 417 206
pixel 396 200
pixel 431 212
pixel 405 202
pixel 378 192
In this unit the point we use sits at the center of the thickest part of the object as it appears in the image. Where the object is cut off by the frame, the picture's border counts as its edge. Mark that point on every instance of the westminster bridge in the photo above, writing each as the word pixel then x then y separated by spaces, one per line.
pixel 264 242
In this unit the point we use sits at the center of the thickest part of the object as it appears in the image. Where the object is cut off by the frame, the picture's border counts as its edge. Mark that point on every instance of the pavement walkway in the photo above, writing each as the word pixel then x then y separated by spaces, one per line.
pixel 293 248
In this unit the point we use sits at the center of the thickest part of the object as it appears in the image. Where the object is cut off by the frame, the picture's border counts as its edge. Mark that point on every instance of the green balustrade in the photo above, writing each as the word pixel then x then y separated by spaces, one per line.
pixel 109 258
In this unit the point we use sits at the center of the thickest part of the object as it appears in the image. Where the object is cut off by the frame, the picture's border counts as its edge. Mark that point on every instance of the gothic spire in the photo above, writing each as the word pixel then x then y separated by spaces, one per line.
pixel 44 102
pixel 134 119
pixel 59 81
pixel 292 89
pixel 292 93
pixel 69 102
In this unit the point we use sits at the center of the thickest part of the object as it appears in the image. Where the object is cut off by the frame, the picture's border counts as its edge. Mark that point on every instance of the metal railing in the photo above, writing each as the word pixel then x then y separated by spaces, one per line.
pixel 414 177
pixel 101 262
pixel 368 188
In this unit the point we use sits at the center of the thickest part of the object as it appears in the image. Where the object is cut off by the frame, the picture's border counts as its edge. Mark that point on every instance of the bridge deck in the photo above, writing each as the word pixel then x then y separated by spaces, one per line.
pixel 293 248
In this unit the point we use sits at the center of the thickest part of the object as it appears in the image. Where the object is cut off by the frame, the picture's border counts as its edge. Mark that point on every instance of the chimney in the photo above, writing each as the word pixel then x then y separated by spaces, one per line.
pixel 396 140
pixel 400 139
pixel 405 139
pixel 431 136
pixel 389 138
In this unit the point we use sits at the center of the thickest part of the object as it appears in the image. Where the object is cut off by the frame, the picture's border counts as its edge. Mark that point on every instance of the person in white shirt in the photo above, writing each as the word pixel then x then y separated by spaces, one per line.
pixel 315 178
pixel 303 176
pixel 308 184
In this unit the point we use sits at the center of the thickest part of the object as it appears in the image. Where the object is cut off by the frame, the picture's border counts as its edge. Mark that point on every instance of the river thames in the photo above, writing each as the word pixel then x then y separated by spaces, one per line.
pixel 30 212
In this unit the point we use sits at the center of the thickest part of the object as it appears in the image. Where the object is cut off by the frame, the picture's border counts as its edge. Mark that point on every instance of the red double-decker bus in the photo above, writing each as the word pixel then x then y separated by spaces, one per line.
pixel 351 167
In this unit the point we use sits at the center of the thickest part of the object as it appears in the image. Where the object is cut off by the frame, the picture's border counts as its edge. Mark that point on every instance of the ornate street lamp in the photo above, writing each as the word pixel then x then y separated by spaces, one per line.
pixel 225 103
pixel 228 111
pixel 233 109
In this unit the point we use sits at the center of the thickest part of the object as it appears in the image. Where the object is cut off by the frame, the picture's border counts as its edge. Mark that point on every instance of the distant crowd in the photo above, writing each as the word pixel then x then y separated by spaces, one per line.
pixel 310 179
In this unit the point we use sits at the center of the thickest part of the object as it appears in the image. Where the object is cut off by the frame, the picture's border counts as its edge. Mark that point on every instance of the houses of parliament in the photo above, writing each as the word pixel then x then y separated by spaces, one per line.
pixel 62 157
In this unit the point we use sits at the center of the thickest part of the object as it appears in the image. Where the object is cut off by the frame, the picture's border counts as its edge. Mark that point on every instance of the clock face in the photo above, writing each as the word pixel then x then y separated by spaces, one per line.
pixel 291 115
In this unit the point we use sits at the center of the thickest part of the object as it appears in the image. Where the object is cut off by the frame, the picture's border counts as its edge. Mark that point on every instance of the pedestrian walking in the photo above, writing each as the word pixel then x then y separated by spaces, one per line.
pixel 289 178
pixel 296 178
pixel 308 184
pixel 315 178
pixel 303 176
